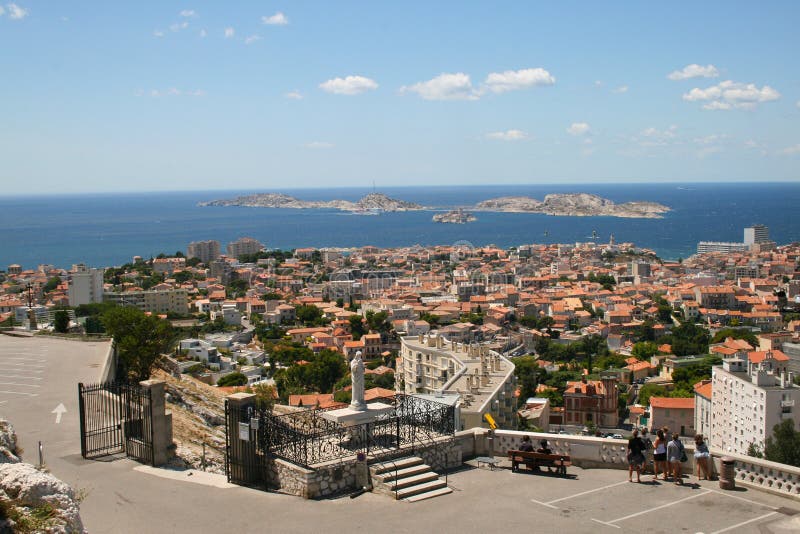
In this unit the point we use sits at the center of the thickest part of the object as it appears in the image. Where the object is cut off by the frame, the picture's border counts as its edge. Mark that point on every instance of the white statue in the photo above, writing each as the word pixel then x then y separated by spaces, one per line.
pixel 357 377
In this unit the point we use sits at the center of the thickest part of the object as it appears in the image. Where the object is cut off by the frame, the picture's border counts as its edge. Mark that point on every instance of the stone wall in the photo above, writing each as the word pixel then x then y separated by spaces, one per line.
pixel 324 481
pixel 769 476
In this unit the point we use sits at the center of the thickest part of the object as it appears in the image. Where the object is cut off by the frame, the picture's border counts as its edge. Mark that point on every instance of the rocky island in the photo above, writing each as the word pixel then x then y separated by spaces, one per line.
pixel 575 205
pixel 458 216
pixel 374 202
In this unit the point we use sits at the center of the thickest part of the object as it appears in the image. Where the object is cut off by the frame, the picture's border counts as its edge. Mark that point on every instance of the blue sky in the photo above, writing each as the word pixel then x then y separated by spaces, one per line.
pixel 118 96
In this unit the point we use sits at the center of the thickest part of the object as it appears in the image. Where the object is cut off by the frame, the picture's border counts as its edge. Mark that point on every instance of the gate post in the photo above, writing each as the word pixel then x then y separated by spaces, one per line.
pixel 160 421
pixel 241 454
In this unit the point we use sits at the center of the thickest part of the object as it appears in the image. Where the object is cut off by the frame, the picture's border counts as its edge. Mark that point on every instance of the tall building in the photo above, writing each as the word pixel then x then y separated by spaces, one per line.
pixel 85 285
pixel 758 233
pixel 483 379
pixel 721 246
pixel 206 251
pixel 244 245
pixel 749 396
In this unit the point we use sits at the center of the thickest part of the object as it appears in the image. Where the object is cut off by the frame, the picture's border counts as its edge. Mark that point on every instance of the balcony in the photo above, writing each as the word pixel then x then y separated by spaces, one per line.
pixel 787 403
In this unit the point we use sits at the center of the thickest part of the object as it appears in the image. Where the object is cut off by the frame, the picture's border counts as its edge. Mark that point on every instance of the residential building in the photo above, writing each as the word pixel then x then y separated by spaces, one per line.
pixel 244 245
pixel 758 233
pixel 154 301
pixel 484 379
pixel 702 407
pixel 206 251
pixel 592 402
pixel 85 285
pixel 750 395
pixel 675 413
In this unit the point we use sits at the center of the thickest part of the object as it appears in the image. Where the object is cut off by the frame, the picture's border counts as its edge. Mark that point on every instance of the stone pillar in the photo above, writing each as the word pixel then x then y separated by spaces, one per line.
pixel 241 453
pixel 161 421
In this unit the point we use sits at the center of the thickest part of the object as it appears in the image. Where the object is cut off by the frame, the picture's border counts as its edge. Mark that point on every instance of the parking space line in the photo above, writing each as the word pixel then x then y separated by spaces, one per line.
pixel 545 504
pixel 743 523
pixel 637 514
pixel 18 384
pixel 743 499
pixel 587 492
pixel 20 393
pixel 38 365
pixel 17 370
pixel 23 359
pixel 606 524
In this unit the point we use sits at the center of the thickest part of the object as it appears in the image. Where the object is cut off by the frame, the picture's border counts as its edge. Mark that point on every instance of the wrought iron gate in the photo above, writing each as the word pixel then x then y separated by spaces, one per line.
pixel 116 418
pixel 244 457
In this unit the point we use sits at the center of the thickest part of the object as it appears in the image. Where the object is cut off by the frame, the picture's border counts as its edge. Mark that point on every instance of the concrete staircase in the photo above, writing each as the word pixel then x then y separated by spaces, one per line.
pixel 410 479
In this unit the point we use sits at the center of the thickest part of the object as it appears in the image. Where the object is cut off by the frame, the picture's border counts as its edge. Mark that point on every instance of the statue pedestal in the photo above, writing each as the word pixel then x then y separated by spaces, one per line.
pixel 351 417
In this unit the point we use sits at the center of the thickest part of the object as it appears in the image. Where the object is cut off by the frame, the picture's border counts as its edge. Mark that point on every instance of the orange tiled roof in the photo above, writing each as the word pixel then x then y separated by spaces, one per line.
pixel 677 403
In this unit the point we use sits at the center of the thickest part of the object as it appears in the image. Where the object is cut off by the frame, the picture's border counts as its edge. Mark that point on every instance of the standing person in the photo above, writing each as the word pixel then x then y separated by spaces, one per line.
pixel 701 457
pixel 660 455
pixel 675 455
pixel 647 445
pixel 635 456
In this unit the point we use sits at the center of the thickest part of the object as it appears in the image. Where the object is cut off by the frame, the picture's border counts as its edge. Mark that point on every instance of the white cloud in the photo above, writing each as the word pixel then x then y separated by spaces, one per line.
pixel 278 19
pixel 229 32
pixel 15 12
pixel 621 89
pixel 598 83
pixel 650 137
pixel 178 26
pixel 732 95
pixel 349 85
pixel 203 33
pixel 708 151
pixel 252 39
pixel 578 128
pixel 319 145
pixel 294 95
pixel 798 104
pixel 2 11
pixel 446 86
pixel 188 13
pixel 514 80
pixel 694 71
pixel 508 135
pixel 791 150
pixel 710 139
pixel 158 33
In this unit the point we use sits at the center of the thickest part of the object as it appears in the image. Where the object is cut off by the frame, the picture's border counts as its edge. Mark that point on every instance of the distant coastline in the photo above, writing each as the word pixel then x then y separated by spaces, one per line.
pixel 558 204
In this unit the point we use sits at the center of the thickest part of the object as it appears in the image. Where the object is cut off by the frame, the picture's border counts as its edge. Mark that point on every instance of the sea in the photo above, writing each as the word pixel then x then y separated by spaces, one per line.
pixel 102 230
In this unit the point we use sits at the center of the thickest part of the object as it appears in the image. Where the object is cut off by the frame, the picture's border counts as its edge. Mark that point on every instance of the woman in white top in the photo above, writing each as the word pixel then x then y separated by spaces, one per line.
pixel 660 455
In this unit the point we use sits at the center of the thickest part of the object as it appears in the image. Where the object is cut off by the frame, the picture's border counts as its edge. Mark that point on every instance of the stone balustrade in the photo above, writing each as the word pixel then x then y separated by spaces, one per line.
pixel 773 477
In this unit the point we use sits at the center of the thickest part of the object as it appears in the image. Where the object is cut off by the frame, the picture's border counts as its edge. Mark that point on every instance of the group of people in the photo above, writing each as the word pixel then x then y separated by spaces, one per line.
pixel 668 456
pixel 527 446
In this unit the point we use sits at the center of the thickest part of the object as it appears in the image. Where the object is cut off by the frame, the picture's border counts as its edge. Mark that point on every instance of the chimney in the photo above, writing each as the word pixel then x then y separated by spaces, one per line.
pixel 421 337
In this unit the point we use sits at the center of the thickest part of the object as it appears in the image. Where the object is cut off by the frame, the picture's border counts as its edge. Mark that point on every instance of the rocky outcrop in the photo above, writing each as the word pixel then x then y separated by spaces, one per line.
pixel 458 216
pixel 9 452
pixel 369 203
pixel 32 500
pixel 574 204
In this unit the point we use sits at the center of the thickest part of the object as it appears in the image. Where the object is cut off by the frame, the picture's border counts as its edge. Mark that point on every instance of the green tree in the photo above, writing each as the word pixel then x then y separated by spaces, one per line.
pixel 644 350
pixel 378 321
pixel 61 321
pixel 735 333
pixel 233 379
pixel 140 339
pixel 357 327
pixel 51 284
pixel 784 444
pixel 650 390
pixel 309 315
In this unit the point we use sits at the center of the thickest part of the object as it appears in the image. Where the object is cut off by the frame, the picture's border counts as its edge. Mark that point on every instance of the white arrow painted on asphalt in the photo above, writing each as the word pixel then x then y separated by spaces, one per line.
pixel 59 411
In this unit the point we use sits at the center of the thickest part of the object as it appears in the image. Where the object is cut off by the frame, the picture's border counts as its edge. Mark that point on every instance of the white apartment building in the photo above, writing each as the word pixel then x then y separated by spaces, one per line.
pixel 483 379
pixel 85 285
pixel 750 395
pixel 162 301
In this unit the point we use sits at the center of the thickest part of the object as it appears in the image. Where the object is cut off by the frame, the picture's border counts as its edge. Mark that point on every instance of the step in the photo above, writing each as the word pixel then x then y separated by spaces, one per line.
pixel 429 494
pixel 421 488
pixel 414 480
pixel 401 463
pixel 390 475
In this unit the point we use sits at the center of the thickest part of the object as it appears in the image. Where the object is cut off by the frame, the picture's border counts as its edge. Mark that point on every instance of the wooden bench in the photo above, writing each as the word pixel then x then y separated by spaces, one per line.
pixel 534 460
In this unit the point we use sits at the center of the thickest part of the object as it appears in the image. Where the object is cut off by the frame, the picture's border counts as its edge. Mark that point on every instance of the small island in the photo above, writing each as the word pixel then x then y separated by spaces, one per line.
pixel 559 204
pixel 457 216
pixel 575 205
pixel 370 204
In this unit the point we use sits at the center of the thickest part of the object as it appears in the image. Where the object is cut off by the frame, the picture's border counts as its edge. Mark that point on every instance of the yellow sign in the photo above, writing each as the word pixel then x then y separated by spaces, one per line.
pixel 490 420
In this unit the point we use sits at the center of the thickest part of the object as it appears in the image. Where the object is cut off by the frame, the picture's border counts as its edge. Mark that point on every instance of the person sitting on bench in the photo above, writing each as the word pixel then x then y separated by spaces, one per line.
pixel 544 449
pixel 526 444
